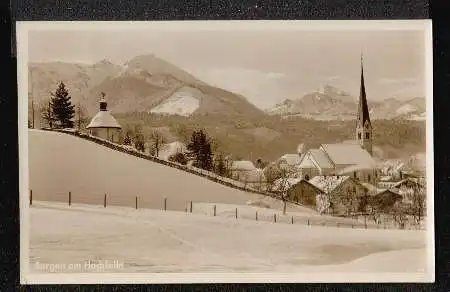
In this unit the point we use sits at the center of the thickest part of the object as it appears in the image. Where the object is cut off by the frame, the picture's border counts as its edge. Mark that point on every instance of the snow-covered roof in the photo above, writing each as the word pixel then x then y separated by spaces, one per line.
pixel 321 158
pixel 406 180
pixel 327 183
pixel 103 119
pixel 243 165
pixel 284 184
pixel 255 175
pixel 347 154
pixel 291 159
pixel 373 190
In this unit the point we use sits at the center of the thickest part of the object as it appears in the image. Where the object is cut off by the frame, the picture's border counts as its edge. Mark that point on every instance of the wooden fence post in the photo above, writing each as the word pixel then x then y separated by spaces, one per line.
pixel 70 198
pixel 214 210
pixel 165 204
pixel 236 213
pixel 308 222
pixel 256 216
pixel 292 219
pixel 31 197
pixel 104 201
pixel 275 218
pixel 191 207
pixel 136 202
pixel 365 222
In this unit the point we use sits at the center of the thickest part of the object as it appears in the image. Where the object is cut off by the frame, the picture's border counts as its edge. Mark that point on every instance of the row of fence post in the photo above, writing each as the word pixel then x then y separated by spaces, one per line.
pixel 338 224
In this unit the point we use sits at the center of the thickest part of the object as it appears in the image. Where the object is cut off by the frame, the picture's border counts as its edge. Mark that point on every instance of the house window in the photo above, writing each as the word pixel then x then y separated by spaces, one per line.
pixel 368 177
pixel 359 135
pixel 367 135
pixel 354 174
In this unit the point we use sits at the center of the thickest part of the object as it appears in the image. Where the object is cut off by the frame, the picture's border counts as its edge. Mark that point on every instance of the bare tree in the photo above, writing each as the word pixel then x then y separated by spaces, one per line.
pixel 46 111
pixel 81 116
pixel 399 214
pixel 157 139
pixel 284 186
pixel 418 200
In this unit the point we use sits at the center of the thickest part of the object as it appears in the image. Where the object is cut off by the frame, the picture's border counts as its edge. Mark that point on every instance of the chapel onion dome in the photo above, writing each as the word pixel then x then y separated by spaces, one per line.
pixel 103 119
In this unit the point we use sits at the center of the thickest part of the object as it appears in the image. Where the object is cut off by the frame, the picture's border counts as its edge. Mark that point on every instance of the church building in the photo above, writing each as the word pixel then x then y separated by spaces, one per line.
pixel 353 159
pixel 104 125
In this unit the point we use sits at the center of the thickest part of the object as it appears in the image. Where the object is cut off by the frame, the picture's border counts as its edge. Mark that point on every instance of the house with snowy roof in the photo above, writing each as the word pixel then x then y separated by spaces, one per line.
pixel 104 125
pixel 345 194
pixel 172 148
pixel 345 159
pixel 245 171
pixel 380 198
pixel 297 190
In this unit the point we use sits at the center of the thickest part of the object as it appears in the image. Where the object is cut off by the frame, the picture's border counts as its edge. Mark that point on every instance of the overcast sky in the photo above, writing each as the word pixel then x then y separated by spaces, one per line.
pixel 266 67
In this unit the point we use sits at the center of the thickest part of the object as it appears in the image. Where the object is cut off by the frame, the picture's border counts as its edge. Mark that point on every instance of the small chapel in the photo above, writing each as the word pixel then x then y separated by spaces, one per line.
pixel 103 124
pixel 352 158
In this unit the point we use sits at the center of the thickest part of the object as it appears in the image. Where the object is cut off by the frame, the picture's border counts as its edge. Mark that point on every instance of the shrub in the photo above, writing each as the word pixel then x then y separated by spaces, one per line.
pixel 179 158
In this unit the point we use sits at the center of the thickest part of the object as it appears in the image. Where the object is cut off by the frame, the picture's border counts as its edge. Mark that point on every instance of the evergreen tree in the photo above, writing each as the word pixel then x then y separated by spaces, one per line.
pixel 178 157
pixel 62 108
pixel 221 168
pixel 200 150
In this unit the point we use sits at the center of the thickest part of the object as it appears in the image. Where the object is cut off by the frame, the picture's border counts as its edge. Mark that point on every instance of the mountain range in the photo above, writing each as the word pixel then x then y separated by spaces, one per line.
pixel 149 84
pixel 331 103
pixel 145 83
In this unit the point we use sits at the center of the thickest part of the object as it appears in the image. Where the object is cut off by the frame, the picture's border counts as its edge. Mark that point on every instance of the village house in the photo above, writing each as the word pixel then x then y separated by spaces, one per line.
pixel 410 189
pixel 382 200
pixel 345 195
pixel 104 125
pixel 170 149
pixel 297 190
pixel 246 172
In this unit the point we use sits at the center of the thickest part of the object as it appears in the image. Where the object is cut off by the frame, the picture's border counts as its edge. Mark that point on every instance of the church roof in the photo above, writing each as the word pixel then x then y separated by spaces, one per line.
pixel 363 109
pixel 321 158
pixel 103 119
pixel 356 167
pixel 348 154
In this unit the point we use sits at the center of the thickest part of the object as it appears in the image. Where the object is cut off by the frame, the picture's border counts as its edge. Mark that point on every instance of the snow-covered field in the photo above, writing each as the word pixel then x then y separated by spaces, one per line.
pixel 157 241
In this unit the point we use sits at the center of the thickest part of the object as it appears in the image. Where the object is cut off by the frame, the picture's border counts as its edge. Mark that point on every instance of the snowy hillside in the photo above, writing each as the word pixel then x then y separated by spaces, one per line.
pixel 183 102
pixel 173 242
pixel 60 163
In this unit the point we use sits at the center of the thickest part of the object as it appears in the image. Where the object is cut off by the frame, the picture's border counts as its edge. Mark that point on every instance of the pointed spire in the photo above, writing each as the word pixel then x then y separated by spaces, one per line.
pixel 363 109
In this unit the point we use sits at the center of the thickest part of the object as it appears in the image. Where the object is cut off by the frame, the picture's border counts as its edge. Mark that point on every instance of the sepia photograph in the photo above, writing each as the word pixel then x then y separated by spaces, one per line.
pixel 226 151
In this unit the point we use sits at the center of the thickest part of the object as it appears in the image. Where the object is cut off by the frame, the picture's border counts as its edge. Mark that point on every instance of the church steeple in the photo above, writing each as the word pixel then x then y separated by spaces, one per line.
pixel 363 124
pixel 363 109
